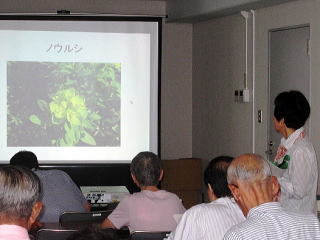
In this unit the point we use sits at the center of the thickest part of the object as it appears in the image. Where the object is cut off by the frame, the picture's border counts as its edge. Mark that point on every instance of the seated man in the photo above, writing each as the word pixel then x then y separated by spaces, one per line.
pixel 254 189
pixel 60 193
pixel 211 220
pixel 19 202
pixel 151 209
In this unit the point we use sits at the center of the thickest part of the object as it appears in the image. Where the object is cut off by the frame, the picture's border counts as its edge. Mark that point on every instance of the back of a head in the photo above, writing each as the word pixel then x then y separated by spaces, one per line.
pixel 19 190
pixel 216 175
pixel 248 167
pixel 93 234
pixel 26 159
pixel 293 107
pixel 146 167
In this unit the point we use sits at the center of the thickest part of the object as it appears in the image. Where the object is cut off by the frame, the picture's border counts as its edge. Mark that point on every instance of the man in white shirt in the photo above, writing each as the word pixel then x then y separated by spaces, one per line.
pixel 254 189
pixel 209 221
pixel 19 202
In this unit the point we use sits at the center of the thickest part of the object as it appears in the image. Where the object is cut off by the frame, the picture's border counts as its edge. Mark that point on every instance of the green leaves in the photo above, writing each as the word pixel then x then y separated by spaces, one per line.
pixel 87 138
pixel 34 119
pixel 43 105
pixel 67 104
pixel 94 116
pixel 82 106
pixel 68 107
pixel 70 136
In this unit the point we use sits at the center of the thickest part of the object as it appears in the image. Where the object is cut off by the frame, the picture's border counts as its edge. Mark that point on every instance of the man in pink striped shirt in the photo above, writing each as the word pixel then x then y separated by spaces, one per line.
pixel 19 202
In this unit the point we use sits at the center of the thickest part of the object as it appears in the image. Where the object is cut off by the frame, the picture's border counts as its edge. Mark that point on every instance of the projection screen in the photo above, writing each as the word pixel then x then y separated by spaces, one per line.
pixel 79 89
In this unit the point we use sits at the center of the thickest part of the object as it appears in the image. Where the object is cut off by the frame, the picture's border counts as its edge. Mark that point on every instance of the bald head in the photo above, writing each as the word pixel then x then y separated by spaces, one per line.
pixel 248 167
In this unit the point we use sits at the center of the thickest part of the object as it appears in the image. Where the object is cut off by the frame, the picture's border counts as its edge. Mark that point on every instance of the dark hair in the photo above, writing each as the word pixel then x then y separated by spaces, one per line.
pixel 25 158
pixel 293 107
pixel 146 167
pixel 20 189
pixel 216 175
pixel 93 234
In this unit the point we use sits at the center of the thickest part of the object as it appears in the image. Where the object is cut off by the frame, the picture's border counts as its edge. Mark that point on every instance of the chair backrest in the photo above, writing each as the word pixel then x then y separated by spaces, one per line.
pixel 90 217
pixel 52 234
pixel 146 235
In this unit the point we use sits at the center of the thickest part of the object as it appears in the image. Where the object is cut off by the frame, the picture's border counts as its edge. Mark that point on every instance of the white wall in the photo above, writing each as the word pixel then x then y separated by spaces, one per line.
pixel 191 10
pixel 176 114
pixel 220 126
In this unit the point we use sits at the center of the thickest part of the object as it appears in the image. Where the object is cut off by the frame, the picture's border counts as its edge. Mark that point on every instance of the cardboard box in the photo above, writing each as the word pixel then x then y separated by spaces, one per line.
pixel 184 178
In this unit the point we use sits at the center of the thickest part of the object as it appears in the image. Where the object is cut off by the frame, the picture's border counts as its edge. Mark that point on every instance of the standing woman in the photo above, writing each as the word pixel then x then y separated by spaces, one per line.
pixel 295 154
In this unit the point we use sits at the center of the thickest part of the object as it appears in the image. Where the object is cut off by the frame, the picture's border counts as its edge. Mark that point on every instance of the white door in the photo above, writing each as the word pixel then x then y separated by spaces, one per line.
pixel 288 70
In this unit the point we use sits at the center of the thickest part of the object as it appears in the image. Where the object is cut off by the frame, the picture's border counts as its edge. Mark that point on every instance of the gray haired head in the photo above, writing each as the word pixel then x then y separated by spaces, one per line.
pixel 19 191
pixel 248 167
pixel 146 168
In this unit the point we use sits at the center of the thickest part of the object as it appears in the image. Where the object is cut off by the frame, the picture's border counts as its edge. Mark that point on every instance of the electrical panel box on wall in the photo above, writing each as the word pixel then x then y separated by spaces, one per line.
pixel 246 96
pixel 242 95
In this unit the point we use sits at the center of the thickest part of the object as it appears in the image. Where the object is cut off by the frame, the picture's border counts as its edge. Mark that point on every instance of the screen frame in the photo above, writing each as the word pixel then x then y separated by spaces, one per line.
pixel 100 17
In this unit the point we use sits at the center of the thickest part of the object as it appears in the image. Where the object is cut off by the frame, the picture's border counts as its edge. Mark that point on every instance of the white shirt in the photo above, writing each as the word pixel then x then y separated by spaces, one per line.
pixel 208 221
pixel 271 221
pixel 299 180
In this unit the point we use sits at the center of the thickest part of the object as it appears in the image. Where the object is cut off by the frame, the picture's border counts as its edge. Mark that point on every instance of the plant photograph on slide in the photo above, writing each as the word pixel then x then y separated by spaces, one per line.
pixel 63 104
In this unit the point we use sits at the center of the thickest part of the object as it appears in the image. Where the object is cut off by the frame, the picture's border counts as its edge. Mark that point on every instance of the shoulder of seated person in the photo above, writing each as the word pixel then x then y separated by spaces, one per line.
pixel 53 172
pixel 204 207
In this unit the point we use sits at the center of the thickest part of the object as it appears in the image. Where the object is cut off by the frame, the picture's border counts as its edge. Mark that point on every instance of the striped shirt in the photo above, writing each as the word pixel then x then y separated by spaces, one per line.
pixel 299 181
pixel 208 221
pixel 271 221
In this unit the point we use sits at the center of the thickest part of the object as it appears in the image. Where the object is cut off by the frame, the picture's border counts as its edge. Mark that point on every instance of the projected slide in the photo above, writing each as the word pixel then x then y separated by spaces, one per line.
pixel 78 91
pixel 72 104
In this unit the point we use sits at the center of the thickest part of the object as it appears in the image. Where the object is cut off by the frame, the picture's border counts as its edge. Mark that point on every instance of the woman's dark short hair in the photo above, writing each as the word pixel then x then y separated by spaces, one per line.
pixel 293 107
pixel 216 175
pixel 93 234
pixel 146 167
pixel 26 159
